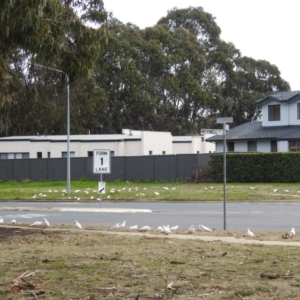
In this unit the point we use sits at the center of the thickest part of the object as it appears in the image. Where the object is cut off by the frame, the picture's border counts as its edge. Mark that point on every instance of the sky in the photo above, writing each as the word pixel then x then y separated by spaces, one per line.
pixel 261 29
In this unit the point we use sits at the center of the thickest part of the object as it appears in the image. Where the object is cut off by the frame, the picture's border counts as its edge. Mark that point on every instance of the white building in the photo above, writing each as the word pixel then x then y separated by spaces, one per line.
pixel 279 130
pixel 129 143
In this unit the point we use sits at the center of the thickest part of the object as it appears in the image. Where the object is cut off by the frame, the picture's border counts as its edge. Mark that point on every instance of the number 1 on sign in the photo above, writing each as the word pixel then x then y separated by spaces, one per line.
pixel 101 161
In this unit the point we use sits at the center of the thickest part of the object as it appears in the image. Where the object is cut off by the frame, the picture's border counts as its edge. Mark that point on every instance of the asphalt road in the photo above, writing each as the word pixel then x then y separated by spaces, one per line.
pixel 256 216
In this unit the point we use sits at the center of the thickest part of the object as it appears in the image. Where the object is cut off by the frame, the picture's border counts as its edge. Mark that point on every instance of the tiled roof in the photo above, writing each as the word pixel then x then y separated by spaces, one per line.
pixel 281 97
pixel 255 131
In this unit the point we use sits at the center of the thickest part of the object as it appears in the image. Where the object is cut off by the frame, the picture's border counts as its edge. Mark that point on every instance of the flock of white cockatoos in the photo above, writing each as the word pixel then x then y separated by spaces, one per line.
pixel 92 193
pixel 166 229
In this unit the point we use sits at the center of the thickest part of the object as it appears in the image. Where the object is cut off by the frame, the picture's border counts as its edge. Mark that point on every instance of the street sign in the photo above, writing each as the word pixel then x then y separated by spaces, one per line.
pixel 101 187
pixel 225 120
pixel 101 162
pixel 211 131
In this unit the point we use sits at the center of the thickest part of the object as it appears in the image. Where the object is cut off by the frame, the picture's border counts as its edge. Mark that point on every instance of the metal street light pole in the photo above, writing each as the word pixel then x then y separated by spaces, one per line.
pixel 68 126
pixel 224 121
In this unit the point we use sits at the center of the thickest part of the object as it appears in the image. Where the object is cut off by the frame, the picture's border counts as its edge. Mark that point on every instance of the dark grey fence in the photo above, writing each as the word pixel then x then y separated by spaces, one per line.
pixel 131 168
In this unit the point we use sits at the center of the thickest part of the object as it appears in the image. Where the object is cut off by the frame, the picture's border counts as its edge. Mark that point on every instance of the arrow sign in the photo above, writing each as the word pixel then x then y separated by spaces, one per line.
pixel 101 187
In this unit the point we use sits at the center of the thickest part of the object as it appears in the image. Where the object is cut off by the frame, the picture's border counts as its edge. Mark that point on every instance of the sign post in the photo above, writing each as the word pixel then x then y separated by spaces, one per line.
pixel 101 165
pixel 224 121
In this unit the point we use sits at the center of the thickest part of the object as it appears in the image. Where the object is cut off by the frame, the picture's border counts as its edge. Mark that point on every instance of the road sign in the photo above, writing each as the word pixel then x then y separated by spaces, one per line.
pixel 225 120
pixel 101 162
pixel 101 187
pixel 211 131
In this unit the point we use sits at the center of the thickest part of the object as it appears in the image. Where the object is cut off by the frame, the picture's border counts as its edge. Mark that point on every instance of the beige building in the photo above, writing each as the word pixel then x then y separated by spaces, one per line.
pixel 129 143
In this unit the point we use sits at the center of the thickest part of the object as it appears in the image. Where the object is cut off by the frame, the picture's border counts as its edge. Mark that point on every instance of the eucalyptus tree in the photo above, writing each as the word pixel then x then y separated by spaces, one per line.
pixel 67 35
pixel 228 82
pixel 174 73
pixel 120 75
pixel 89 108
pixel 198 69
pixel 250 81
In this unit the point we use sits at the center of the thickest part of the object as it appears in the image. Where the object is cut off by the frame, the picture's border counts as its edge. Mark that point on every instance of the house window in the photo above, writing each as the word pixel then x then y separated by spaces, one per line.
pixel 298 111
pixel 294 146
pixel 48 154
pixel 39 155
pixel 18 155
pixel 64 154
pixel 112 153
pixel 274 112
pixel 14 155
pixel 273 146
pixel 164 152
pixel 252 145
pixel 150 152
pixel 230 146
pixel 90 153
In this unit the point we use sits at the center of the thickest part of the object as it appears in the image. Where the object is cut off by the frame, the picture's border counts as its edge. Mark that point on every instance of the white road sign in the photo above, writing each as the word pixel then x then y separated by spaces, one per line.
pixel 211 131
pixel 101 187
pixel 101 162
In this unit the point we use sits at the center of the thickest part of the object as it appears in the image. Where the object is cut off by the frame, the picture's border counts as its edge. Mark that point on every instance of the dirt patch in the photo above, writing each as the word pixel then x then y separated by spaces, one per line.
pixel 8 233
pixel 97 263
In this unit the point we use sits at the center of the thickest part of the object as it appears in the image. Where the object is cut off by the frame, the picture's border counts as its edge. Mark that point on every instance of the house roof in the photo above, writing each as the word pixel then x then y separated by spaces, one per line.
pixel 286 96
pixel 73 138
pixel 255 131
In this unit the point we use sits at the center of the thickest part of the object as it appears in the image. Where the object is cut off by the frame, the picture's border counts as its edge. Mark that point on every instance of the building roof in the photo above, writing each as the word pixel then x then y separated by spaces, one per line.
pixel 182 139
pixel 255 131
pixel 73 138
pixel 286 96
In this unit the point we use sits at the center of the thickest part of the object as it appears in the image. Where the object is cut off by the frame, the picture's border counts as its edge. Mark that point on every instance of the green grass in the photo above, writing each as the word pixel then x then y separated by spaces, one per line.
pixel 86 190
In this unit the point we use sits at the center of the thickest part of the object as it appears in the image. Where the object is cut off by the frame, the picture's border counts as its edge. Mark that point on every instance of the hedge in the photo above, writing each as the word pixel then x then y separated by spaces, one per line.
pixel 256 167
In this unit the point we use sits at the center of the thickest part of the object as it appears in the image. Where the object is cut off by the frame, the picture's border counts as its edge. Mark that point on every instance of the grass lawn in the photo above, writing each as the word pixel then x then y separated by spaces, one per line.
pixel 97 264
pixel 86 190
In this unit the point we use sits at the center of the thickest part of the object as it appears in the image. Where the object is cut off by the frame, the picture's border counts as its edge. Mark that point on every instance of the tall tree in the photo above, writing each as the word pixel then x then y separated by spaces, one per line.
pixel 177 76
pixel 67 35
pixel 54 30
pixel 120 75
pixel 250 81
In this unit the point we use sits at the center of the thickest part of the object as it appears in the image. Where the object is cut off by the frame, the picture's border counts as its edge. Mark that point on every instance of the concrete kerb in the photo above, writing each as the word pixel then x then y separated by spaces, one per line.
pixel 75 209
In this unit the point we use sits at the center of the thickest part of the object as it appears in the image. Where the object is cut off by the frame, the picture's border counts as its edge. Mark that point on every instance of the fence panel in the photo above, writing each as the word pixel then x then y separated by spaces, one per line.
pixel 57 169
pixel 185 164
pixel 118 169
pixel 38 169
pixel 6 169
pixel 78 168
pixel 165 167
pixel 140 168
pixel 131 168
pixel 21 169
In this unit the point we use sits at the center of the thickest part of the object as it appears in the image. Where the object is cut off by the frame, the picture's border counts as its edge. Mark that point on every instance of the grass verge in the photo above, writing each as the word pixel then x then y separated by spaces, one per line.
pixel 151 191
pixel 74 264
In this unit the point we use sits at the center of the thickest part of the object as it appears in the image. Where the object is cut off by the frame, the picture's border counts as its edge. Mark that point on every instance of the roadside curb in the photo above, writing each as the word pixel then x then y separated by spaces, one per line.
pixel 75 209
